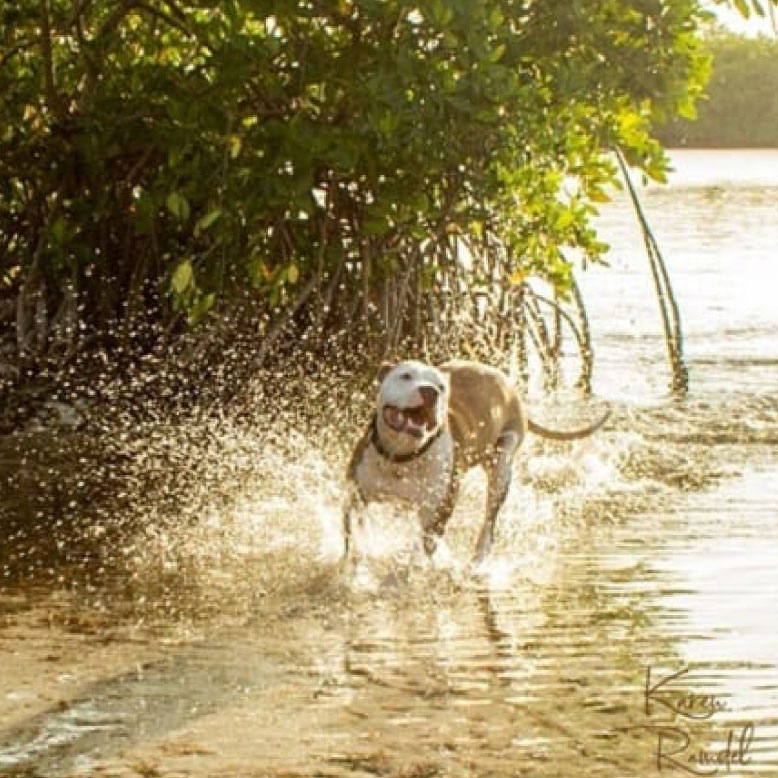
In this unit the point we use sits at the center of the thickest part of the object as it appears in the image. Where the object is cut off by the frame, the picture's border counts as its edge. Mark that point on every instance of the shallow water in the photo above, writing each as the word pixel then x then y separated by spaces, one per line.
pixel 717 227
pixel 236 647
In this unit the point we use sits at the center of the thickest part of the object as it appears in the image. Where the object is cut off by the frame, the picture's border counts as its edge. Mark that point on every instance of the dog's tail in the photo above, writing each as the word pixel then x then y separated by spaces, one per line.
pixel 584 432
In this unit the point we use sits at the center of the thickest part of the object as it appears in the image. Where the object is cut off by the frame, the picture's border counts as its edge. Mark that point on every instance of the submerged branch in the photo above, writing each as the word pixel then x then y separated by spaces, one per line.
pixel 668 305
pixel 587 350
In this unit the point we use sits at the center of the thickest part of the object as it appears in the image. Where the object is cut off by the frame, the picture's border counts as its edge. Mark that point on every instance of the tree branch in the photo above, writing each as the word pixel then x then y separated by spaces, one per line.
pixel 50 89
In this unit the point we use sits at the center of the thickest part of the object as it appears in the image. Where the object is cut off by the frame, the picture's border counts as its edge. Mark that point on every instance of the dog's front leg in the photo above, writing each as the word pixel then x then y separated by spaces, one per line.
pixel 499 472
pixel 434 520
pixel 355 505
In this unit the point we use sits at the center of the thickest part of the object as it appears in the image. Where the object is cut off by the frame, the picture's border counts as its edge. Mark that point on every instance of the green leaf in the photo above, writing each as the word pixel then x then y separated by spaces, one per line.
pixel 178 205
pixel 58 231
pixel 200 308
pixel 450 41
pixel 497 53
pixel 292 274
pixel 441 14
pixel 598 195
pixel 564 219
pixel 377 226
pixel 182 278
pixel 204 222
pixel 496 18
pixel 387 124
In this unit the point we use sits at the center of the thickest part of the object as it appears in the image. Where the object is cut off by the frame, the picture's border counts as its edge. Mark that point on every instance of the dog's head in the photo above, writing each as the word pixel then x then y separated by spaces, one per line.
pixel 412 405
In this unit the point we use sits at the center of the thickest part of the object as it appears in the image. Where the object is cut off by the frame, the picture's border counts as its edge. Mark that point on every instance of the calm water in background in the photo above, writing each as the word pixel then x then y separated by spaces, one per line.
pixel 653 545
pixel 717 226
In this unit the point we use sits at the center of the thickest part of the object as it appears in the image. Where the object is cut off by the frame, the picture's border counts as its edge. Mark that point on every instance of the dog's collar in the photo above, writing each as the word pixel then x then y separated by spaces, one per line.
pixel 399 459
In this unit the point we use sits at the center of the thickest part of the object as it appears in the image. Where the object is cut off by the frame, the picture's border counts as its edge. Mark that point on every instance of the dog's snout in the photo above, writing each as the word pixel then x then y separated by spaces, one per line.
pixel 428 394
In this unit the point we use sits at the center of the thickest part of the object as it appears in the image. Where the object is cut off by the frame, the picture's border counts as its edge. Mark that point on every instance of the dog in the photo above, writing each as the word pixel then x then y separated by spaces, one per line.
pixel 430 426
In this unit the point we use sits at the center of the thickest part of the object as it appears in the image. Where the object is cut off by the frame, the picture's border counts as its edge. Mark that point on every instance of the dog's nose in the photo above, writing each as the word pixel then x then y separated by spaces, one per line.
pixel 428 394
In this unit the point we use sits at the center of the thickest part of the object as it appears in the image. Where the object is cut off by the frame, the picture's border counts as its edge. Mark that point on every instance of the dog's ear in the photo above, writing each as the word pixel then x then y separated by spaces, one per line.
pixel 384 370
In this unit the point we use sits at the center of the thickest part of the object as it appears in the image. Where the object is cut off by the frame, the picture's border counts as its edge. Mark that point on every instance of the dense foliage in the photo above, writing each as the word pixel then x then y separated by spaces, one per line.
pixel 324 158
pixel 741 105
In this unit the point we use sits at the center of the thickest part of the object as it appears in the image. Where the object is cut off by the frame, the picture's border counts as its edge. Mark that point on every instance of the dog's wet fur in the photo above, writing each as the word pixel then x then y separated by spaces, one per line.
pixel 432 424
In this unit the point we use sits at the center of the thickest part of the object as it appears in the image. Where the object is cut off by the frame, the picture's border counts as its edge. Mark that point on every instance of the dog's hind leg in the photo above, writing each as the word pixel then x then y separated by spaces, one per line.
pixel 499 472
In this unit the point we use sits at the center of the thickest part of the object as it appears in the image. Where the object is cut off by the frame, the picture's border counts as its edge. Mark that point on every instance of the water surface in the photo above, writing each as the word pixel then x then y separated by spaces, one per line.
pixel 235 647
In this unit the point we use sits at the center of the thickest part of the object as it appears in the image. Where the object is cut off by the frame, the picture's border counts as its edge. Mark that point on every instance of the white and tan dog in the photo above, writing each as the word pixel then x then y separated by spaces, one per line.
pixel 430 426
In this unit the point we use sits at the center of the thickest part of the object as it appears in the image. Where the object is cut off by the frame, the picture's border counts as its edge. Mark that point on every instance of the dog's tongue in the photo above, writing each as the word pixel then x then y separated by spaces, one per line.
pixel 395 418
pixel 401 421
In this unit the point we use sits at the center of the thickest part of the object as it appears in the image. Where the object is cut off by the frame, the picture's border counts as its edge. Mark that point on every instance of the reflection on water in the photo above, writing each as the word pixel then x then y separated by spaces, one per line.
pixel 434 673
pixel 235 647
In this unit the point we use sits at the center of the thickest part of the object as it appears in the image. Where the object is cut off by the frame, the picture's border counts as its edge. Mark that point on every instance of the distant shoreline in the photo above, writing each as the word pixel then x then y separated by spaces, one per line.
pixel 739 108
pixel 719 167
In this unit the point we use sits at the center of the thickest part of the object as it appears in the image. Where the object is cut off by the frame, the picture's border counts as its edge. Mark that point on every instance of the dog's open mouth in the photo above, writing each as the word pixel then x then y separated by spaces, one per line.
pixel 412 421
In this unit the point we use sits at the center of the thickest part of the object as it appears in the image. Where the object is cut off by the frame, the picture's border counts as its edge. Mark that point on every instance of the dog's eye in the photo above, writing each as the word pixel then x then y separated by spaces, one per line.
pixel 406 376
pixel 442 388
